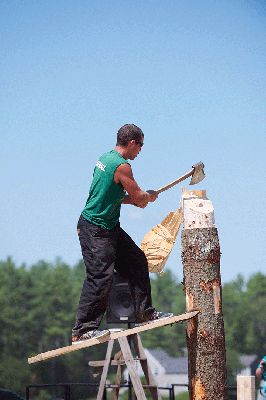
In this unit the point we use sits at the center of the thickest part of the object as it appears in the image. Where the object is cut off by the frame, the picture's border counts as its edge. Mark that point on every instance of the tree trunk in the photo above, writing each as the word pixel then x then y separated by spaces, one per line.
pixel 202 283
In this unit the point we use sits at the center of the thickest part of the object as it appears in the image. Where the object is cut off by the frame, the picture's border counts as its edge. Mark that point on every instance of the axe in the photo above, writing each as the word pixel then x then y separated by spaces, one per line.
pixel 197 175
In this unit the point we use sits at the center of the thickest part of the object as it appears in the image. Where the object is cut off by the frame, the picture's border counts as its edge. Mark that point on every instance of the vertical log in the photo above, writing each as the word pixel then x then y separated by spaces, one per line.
pixel 202 285
pixel 246 388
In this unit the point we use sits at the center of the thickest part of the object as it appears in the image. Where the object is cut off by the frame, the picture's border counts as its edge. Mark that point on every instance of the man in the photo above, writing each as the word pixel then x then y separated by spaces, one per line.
pixel 261 376
pixel 105 245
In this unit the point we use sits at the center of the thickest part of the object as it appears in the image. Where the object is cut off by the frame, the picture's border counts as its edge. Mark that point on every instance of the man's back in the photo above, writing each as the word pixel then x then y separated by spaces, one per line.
pixel 105 196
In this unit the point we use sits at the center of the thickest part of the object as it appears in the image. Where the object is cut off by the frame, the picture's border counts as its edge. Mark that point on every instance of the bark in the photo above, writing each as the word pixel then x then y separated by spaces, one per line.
pixel 205 336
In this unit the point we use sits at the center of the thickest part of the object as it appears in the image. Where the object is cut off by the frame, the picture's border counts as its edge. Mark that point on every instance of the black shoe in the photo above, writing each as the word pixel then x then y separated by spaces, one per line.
pixel 155 316
pixel 94 334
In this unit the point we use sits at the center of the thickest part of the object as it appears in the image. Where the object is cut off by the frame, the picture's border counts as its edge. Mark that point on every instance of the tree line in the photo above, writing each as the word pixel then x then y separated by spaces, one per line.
pixel 38 305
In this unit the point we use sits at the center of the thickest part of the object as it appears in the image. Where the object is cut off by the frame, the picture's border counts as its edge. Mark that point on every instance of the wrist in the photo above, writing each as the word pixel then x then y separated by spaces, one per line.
pixel 146 197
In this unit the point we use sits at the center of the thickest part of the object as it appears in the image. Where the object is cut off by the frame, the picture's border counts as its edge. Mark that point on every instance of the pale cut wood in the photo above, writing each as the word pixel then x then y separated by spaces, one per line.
pixel 146 368
pixel 191 193
pixel 115 335
pixel 246 388
pixel 105 369
pixel 197 210
pixel 98 364
pixel 119 373
pixel 120 358
pixel 135 379
pixel 157 244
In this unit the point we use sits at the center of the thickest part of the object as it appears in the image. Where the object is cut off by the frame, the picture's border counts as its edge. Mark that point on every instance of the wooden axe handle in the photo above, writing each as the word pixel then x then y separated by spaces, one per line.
pixel 171 184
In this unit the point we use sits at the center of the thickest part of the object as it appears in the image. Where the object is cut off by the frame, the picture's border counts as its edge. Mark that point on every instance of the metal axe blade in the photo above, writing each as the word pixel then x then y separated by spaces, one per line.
pixel 198 173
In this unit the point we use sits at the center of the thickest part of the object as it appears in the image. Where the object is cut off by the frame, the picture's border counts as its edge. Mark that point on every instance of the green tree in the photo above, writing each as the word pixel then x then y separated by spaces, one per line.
pixel 252 315
pixel 245 326
pixel 38 306
pixel 13 334
pixel 233 296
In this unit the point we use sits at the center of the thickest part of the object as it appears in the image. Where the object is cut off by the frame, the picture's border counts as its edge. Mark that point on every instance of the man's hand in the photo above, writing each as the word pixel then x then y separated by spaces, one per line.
pixel 149 197
pixel 153 195
pixel 142 204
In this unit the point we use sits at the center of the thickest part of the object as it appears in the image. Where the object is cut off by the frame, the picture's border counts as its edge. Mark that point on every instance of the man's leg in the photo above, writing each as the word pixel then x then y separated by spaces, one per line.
pixel 98 246
pixel 131 263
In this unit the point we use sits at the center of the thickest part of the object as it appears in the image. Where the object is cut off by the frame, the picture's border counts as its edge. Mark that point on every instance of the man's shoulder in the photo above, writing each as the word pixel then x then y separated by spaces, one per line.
pixel 113 157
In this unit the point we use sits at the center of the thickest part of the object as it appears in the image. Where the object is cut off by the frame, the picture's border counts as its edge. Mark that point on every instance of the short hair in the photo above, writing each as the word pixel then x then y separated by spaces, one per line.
pixel 128 132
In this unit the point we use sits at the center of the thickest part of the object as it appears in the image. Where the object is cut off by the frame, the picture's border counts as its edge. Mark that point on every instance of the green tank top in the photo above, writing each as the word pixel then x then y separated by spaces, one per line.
pixel 105 196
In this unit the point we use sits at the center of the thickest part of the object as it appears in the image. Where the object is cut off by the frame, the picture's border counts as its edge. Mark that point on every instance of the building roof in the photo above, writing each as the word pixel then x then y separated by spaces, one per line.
pixel 172 365
pixel 179 365
pixel 247 359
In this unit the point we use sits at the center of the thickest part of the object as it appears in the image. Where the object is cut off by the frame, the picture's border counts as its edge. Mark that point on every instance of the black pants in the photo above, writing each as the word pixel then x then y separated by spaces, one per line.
pixel 103 251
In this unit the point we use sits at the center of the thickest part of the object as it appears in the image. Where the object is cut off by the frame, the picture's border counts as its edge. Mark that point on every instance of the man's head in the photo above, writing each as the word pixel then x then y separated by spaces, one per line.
pixel 131 139
pixel 127 133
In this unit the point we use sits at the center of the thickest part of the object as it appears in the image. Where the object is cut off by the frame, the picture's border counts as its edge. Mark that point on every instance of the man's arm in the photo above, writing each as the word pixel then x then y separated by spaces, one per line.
pixel 136 195
pixel 260 369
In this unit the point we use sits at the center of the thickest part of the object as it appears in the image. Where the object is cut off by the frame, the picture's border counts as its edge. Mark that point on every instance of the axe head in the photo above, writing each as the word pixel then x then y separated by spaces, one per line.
pixel 198 174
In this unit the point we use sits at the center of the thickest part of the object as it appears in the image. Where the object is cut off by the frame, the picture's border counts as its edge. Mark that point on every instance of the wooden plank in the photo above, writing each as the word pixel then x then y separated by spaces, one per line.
pixel 114 335
pixel 135 379
pixel 145 367
pixel 98 364
pixel 145 386
pixel 105 369
pixel 119 373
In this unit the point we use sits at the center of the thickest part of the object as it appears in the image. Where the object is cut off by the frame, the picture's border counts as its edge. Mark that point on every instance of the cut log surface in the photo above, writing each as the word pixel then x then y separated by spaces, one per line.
pixel 114 335
pixel 197 209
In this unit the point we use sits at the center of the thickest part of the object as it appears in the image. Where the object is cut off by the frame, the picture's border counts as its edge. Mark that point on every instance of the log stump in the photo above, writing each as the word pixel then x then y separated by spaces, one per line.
pixel 202 286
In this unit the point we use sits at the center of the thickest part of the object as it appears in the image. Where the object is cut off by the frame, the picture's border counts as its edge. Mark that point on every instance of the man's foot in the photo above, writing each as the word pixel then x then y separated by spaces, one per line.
pixel 155 316
pixel 94 334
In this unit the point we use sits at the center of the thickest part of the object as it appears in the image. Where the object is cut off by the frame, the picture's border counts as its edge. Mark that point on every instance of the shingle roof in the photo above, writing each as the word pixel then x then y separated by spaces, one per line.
pixel 172 365
pixel 179 365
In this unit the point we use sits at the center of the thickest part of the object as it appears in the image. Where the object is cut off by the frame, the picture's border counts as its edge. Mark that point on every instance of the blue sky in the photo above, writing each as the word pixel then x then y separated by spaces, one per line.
pixel 191 74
